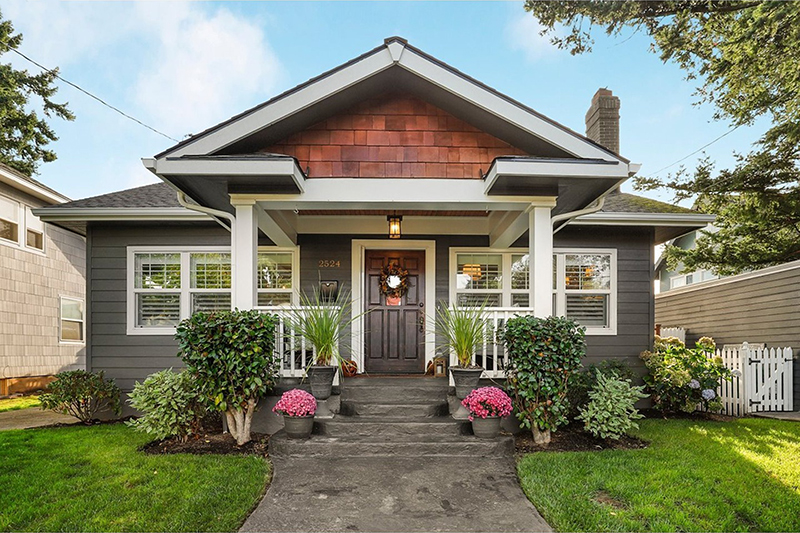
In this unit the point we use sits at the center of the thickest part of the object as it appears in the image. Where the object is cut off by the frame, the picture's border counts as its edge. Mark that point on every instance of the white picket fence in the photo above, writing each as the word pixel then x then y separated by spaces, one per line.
pixel 674 332
pixel 762 379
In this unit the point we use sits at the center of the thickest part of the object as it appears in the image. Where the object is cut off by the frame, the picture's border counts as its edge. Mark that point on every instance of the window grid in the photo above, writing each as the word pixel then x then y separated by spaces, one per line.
pixel 275 278
pixel 594 305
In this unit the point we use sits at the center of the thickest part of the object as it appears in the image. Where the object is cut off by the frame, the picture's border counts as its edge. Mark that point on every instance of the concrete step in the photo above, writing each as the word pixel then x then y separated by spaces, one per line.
pixel 356 426
pixel 382 394
pixel 432 446
pixel 395 410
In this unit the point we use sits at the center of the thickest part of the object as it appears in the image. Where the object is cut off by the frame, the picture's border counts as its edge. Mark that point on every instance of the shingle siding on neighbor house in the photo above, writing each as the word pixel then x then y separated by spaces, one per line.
pixel 31 285
pixel 129 358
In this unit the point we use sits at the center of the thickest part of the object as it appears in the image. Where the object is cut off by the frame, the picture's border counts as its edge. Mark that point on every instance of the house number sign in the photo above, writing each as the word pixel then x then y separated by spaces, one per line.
pixel 330 263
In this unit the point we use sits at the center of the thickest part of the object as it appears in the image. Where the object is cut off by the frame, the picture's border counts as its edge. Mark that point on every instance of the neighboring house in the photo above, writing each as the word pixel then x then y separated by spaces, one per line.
pixel 42 288
pixel 481 192
pixel 669 279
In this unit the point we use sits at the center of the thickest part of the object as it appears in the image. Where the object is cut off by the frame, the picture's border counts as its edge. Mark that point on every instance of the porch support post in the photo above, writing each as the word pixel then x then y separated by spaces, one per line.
pixel 244 255
pixel 540 250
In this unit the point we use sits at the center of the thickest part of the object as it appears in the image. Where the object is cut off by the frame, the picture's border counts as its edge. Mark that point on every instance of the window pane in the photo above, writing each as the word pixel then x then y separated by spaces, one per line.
pixel 8 230
pixel 71 309
pixel 211 301
pixel 274 270
pixel 519 272
pixel 71 330
pixel 274 298
pixel 588 271
pixel 155 310
pixel 34 240
pixel 157 271
pixel 476 300
pixel 479 271
pixel 210 271
pixel 520 300
pixel 588 309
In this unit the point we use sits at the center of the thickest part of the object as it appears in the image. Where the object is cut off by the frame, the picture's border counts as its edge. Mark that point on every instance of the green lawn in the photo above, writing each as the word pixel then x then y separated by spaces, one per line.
pixel 94 479
pixel 695 476
pixel 23 402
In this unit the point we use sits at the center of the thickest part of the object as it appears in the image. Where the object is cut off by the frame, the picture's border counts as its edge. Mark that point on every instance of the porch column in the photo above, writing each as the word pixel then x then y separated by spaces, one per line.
pixel 244 256
pixel 540 253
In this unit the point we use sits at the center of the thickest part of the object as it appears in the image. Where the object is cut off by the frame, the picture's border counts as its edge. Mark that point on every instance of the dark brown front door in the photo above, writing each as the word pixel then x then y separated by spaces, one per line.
pixel 395 334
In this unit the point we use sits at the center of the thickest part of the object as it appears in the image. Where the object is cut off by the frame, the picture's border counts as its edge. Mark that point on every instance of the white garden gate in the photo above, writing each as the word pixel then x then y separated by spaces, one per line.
pixel 762 379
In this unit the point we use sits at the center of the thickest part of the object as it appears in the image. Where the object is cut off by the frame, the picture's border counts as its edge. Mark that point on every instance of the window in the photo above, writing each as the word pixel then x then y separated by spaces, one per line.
pixel 498 278
pixel 168 285
pixel 584 288
pixel 34 231
pixel 9 220
pixel 71 329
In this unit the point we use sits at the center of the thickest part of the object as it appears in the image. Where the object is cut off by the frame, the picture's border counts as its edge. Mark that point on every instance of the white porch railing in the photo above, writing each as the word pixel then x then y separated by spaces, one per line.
pixel 762 379
pixel 294 351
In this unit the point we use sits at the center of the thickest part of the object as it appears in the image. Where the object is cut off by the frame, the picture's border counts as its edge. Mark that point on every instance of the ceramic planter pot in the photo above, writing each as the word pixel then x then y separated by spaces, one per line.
pixel 466 380
pixel 486 428
pixel 321 380
pixel 298 427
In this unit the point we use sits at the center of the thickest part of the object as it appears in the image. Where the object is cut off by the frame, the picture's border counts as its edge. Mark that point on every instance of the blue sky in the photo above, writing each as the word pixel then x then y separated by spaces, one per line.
pixel 184 66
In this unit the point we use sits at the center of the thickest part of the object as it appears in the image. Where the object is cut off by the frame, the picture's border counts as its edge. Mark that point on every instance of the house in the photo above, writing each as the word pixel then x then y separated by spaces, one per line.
pixel 42 288
pixel 392 158
pixel 668 278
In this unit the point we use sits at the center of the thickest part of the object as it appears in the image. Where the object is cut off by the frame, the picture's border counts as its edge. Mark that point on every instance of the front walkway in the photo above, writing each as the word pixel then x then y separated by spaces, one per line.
pixel 395 494
pixel 780 415
pixel 32 417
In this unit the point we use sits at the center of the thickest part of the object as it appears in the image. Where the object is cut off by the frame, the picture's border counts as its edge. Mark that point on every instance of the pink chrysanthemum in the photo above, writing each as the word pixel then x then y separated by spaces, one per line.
pixel 487 401
pixel 296 402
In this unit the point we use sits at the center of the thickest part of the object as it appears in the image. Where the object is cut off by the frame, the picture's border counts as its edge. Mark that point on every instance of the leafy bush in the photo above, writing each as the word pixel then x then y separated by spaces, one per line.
pixel 681 378
pixel 611 411
pixel 484 402
pixel 543 354
pixel 230 355
pixel 81 394
pixel 584 381
pixel 170 403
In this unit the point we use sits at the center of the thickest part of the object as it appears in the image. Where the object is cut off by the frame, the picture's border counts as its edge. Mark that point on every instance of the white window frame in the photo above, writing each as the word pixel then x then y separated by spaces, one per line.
pixel 19 223
pixel 185 290
pixel 295 290
pixel 559 309
pixel 61 320
pixel 23 212
pixel 43 233
pixel 560 290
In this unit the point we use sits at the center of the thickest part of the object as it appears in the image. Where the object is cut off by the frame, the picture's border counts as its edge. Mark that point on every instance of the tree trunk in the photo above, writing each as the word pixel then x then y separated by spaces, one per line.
pixel 239 421
pixel 540 436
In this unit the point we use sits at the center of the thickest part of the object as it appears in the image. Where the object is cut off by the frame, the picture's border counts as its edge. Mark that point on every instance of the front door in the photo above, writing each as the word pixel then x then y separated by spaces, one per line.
pixel 394 335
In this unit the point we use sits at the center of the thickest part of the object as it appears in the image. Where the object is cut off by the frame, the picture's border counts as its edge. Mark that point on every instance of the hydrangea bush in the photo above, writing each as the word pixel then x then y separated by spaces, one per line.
pixel 296 402
pixel 681 378
pixel 486 402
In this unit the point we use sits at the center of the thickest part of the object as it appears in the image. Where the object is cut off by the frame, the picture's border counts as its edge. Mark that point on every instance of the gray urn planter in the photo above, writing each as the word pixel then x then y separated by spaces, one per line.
pixel 298 427
pixel 466 380
pixel 321 380
pixel 486 428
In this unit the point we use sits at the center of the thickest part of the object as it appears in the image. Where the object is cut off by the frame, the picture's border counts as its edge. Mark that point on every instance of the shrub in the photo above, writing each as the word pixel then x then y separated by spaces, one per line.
pixel 543 354
pixel 484 402
pixel 681 378
pixel 230 355
pixel 170 403
pixel 296 402
pixel 81 394
pixel 584 381
pixel 611 411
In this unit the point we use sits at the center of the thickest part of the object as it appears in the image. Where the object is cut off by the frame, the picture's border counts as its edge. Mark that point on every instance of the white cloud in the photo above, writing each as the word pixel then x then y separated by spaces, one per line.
pixel 205 67
pixel 523 33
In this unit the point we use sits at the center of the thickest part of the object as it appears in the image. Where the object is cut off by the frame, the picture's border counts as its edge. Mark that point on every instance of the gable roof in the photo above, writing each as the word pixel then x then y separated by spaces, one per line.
pixel 157 195
pixel 30 186
pixel 395 65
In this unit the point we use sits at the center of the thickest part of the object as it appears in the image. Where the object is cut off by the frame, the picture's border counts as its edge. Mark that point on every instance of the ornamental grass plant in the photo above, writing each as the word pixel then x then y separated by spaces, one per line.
pixel 462 330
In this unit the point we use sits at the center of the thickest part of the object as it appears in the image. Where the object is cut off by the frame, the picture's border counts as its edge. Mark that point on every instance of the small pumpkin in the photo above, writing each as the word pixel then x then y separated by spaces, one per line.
pixel 349 368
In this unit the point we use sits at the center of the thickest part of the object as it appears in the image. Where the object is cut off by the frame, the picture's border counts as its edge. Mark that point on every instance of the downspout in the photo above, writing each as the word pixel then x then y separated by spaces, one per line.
pixel 214 213
pixel 595 207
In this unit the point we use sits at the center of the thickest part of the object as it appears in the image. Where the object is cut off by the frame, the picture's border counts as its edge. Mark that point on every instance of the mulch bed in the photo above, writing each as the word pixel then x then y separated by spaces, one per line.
pixel 572 438
pixel 211 443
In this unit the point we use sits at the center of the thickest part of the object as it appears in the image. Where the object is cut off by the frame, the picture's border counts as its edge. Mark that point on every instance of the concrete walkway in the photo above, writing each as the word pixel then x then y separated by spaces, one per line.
pixel 32 417
pixel 780 415
pixel 379 494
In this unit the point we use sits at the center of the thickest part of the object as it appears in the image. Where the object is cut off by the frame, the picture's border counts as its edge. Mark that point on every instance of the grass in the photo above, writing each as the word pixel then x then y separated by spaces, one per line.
pixel 696 476
pixel 23 402
pixel 94 479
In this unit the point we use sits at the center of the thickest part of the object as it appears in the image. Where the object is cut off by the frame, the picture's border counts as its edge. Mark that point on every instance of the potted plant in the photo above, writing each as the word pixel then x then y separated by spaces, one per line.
pixel 487 406
pixel 321 322
pixel 298 408
pixel 461 330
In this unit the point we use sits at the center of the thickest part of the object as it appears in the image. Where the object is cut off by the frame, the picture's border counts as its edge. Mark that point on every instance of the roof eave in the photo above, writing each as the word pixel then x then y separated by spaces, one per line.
pixel 31 188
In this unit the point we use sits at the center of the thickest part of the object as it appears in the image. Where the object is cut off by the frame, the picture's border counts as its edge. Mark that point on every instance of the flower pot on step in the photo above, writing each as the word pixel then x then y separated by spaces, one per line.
pixel 298 427
pixel 466 380
pixel 320 378
pixel 486 428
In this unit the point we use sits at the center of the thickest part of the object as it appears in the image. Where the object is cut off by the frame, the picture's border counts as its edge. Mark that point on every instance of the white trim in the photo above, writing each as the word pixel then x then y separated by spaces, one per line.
pixel 641 219
pixel 376 225
pixel 31 188
pixel 358 277
pixel 61 319
pixel 68 214
pixel 731 279
pixel 562 168
pixel 560 288
pixel 295 290
pixel 505 291
pixel 286 167
pixel 540 262
pixel 21 222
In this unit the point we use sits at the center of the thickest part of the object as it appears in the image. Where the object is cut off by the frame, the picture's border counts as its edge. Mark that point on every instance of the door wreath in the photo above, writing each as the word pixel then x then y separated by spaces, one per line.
pixel 394 281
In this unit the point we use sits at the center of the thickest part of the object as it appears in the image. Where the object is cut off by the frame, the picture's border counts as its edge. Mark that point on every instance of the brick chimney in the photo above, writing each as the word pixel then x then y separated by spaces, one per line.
pixel 602 120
